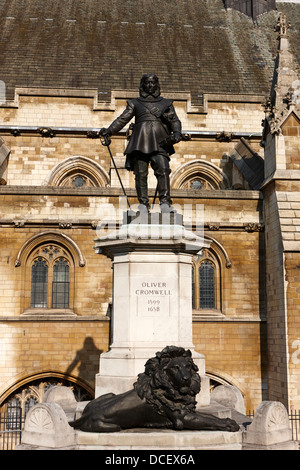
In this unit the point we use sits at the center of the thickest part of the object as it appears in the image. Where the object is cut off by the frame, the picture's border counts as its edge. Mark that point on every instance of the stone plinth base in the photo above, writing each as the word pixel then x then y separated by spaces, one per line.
pixel 290 445
pixel 148 440
pixel 144 439
pixel 152 258
pixel 47 427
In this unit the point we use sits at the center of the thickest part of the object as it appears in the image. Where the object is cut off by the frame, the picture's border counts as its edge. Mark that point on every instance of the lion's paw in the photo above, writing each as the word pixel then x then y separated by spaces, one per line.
pixel 231 425
pixel 178 424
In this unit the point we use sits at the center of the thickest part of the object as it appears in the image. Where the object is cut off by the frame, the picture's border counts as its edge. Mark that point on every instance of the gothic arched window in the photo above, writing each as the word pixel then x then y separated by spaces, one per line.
pixel 49 263
pixel 78 172
pixel 206 286
pixel 17 405
pixel 199 175
pixel 52 271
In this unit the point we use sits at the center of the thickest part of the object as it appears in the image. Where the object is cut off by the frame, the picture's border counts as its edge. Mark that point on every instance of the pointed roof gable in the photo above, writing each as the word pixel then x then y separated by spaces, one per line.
pixel 285 91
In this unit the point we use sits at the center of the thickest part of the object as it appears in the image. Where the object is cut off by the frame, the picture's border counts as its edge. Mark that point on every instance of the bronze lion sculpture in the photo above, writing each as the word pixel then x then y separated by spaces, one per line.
pixel 164 396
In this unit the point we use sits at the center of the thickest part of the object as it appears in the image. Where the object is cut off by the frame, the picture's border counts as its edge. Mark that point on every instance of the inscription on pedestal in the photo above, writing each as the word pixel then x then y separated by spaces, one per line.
pixel 153 298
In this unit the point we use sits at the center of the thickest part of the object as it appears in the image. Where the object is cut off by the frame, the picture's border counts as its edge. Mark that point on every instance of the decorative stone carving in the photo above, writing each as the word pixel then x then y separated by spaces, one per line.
pixel 46 426
pixel 213 227
pixel 224 136
pixel 208 175
pixel 285 90
pixel 92 134
pixel 44 237
pixel 46 132
pixel 277 418
pixel 282 26
pixel 253 227
pixel 65 225
pixel 40 420
pixel 78 166
pixel 19 224
pixel 270 428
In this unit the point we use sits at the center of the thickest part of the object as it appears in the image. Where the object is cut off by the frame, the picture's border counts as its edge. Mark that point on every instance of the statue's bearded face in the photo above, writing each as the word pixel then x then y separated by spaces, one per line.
pixel 150 85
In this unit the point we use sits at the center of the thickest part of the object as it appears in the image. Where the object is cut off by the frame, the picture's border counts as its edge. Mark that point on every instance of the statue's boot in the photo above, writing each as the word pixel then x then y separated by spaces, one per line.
pixel 163 186
pixel 141 186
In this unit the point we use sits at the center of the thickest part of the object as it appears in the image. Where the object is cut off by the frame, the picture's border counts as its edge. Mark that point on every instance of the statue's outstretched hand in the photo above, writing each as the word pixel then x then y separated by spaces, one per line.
pixel 104 132
pixel 105 136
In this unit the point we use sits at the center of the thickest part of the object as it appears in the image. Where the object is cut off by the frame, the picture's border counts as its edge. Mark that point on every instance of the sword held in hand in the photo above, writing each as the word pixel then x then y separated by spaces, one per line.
pixel 106 141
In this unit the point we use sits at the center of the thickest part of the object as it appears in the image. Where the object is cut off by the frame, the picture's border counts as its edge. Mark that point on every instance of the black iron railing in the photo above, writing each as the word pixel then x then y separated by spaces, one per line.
pixel 294 417
pixel 11 425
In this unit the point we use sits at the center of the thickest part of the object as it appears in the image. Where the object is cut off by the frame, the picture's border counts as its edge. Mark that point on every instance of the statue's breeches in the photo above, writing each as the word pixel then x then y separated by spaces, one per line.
pixel 160 165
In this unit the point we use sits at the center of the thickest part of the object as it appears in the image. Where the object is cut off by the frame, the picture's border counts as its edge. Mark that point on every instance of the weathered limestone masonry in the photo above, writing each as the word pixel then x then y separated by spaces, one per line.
pixel 57 183
pixel 39 205
pixel 35 349
pixel 282 268
pixel 281 208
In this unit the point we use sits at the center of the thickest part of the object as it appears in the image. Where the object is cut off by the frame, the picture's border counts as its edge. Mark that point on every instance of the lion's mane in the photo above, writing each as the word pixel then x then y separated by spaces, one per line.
pixel 159 392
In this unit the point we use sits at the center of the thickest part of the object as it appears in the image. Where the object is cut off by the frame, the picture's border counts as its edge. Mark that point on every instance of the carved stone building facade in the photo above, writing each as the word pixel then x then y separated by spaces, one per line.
pixel 67 70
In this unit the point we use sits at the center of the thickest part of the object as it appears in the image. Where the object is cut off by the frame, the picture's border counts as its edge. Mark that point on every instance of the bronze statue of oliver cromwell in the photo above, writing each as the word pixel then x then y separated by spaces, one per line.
pixel 155 131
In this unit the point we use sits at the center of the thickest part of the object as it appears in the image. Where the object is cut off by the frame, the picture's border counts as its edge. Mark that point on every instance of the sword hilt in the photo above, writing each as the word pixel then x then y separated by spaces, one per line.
pixel 105 140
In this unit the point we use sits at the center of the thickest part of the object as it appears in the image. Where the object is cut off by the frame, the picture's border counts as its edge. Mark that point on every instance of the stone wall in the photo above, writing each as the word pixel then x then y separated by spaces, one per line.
pixel 32 349
pixel 234 353
pixel 291 131
pixel 36 207
pixel 91 282
pixel 292 263
pixel 33 158
pixel 275 288
pixel 230 342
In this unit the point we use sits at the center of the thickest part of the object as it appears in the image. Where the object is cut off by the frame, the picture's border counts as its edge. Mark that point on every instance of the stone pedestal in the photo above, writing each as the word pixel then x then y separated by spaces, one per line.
pixel 154 440
pixel 152 299
pixel 47 427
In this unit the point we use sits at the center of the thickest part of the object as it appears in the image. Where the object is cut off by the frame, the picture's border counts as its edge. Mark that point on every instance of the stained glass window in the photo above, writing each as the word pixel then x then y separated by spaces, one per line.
pixel 197 184
pixel 79 181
